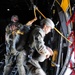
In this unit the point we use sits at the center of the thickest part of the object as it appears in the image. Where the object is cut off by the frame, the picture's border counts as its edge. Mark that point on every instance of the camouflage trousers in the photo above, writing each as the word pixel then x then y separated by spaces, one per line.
pixel 35 68
pixel 11 59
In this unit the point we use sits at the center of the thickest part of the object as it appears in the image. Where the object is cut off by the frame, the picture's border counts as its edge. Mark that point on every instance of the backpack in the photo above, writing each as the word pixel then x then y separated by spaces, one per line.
pixel 23 40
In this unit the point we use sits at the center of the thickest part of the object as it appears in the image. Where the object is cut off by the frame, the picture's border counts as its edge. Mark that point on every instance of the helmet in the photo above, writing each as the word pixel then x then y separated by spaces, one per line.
pixel 48 22
pixel 14 18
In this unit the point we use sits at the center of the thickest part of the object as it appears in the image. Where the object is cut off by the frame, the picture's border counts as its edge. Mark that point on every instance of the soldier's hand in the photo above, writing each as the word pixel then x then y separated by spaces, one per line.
pixel 35 18
pixel 50 52
pixel 29 23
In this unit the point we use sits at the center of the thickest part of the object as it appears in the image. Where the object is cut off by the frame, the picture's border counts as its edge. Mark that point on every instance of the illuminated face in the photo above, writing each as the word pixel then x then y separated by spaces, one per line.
pixel 15 19
pixel 47 29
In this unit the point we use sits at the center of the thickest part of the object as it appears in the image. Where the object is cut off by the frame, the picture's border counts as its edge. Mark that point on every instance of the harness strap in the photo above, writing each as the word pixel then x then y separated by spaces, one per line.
pixel 18 32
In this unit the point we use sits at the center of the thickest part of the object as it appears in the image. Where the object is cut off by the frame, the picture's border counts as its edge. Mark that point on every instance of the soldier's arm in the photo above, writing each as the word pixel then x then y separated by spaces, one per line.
pixel 41 47
pixel 31 21
pixel 7 30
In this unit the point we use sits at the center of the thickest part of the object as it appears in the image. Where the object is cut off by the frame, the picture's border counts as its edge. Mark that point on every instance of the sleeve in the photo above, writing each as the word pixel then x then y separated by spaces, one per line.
pixel 7 29
pixel 39 45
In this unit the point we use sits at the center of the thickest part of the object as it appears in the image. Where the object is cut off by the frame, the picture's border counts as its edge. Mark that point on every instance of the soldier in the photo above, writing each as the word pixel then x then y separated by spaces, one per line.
pixel 39 51
pixel 12 54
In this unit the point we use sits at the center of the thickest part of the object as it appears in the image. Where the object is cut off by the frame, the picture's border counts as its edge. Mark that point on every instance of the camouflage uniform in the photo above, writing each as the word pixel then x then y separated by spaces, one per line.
pixel 38 51
pixel 12 54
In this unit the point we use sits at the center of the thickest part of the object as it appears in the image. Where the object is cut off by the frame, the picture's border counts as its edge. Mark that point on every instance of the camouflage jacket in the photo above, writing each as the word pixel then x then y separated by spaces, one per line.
pixel 37 44
pixel 12 26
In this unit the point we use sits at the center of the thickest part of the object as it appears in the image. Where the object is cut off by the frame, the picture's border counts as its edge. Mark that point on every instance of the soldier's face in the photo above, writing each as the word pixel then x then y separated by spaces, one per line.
pixel 15 19
pixel 47 29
